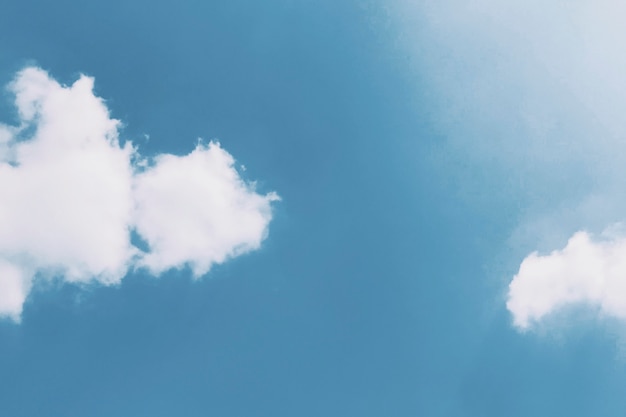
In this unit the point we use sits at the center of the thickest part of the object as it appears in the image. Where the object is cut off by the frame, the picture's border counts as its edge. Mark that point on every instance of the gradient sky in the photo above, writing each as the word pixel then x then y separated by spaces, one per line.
pixel 421 151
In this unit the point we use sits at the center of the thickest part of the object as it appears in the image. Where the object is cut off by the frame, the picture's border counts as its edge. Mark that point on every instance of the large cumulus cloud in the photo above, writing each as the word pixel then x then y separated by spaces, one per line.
pixel 71 194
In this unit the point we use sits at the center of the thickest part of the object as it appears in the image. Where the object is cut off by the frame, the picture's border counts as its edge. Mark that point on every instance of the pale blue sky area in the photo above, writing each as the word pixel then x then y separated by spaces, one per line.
pixel 381 288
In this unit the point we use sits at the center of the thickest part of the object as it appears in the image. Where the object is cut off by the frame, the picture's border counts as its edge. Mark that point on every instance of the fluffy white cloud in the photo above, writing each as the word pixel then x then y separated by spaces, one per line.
pixel 14 286
pixel 585 272
pixel 65 194
pixel 196 210
pixel 70 195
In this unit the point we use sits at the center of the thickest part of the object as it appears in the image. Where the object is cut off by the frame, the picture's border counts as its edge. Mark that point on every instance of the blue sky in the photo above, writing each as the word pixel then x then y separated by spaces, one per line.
pixel 380 208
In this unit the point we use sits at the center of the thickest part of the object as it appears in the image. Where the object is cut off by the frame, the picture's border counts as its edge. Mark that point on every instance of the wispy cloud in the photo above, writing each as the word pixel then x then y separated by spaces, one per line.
pixel 71 194
pixel 534 94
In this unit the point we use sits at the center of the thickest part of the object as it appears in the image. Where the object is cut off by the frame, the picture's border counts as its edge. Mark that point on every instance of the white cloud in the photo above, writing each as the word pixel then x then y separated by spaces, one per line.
pixel 197 210
pixel 585 272
pixel 70 195
pixel 15 284
pixel 66 194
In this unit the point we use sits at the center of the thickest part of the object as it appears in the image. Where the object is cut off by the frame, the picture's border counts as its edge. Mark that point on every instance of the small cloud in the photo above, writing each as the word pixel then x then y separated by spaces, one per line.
pixel 14 287
pixel 71 196
pixel 196 210
pixel 586 272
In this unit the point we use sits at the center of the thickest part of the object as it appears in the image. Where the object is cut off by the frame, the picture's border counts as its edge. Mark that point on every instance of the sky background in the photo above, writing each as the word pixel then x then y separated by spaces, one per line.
pixel 421 151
